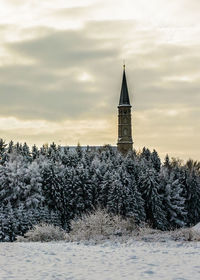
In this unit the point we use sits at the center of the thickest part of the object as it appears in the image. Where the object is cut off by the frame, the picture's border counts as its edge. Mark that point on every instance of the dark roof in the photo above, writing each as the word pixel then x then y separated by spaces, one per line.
pixel 84 148
pixel 124 97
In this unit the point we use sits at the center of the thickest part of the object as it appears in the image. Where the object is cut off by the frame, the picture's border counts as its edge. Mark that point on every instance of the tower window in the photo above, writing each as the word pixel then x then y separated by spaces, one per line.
pixel 125 132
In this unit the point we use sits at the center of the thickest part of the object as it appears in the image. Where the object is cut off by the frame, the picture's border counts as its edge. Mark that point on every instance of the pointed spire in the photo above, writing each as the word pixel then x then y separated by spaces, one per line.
pixel 124 97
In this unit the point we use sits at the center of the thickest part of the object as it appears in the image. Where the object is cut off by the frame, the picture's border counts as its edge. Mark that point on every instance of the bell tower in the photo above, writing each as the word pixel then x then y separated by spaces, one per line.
pixel 125 142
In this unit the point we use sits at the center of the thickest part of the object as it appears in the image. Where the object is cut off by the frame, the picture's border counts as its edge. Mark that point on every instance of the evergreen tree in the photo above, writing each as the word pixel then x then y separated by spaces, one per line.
pixel 2 147
pixel 150 189
pixel 155 161
pixel 105 185
pixel 97 172
pixel 55 184
pixel 167 163
pixel 33 197
pixel 10 147
pixel 54 190
pixel 124 198
pixel 173 199
pixel 26 152
pixel 35 152
pixel 137 203
pixel 192 195
pixel 18 148
pixel 83 187
pixel 79 151
pixel 52 152
pixel 7 224
pixel 3 155
pixel 12 182
pixel 146 154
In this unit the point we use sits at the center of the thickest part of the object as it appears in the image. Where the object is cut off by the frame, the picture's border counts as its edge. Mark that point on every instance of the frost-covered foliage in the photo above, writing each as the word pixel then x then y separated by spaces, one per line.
pixel 43 233
pixel 194 233
pixel 100 225
pixel 20 220
pixel 70 182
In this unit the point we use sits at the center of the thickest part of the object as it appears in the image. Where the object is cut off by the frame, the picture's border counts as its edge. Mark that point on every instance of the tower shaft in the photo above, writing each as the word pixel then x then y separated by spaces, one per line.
pixel 125 142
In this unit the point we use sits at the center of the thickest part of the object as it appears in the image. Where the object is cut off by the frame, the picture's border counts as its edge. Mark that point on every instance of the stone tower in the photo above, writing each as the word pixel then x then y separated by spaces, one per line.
pixel 125 142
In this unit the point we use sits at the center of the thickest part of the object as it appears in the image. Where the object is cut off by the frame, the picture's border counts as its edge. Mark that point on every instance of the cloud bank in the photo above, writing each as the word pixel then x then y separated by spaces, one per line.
pixel 63 71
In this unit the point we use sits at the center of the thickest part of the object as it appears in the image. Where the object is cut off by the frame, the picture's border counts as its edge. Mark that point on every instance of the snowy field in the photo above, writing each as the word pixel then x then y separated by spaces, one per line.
pixel 138 260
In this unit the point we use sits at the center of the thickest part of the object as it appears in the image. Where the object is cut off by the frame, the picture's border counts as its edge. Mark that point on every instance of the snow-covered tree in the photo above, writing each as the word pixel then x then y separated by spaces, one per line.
pixel 150 189
pixel 192 196
pixel 124 198
pixel 173 199
pixel 35 152
pixel 155 160
pixel 10 147
pixel 3 155
pixel 83 187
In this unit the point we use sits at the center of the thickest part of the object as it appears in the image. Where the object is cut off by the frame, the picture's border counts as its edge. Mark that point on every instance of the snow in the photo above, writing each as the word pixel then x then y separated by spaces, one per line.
pixel 196 228
pixel 108 261
pixel 195 232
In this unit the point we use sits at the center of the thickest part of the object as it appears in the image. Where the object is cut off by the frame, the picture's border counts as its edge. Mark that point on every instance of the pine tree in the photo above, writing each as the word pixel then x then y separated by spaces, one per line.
pixel 8 226
pixel 97 171
pixel 44 150
pixel 33 197
pixel 55 190
pixel 105 186
pixel 173 199
pixel 3 155
pixel 26 152
pixel 52 152
pixel 150 189
pixel 146 154
pixel 117 197
pixel 24 219
pixel 155 160
pixel 137 203
pixel 191 183
pixel 18 148
pixel 10 147
pixel 15 181
pixel 123 197
pixel 167 163
pixel 79 151
pixel 83 187
pixel 35 152
pixel 2 147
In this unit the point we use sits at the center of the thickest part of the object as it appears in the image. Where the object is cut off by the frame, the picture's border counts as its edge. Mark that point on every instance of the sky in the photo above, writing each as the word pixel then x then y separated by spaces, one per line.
pixel 61 71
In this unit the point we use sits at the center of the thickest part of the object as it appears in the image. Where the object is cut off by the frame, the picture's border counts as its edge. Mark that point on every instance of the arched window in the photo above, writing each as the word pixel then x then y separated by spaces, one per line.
pixel 125 131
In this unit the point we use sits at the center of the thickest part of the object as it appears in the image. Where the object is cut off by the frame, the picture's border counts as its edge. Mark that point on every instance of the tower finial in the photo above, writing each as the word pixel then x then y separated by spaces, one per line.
pixel 124 64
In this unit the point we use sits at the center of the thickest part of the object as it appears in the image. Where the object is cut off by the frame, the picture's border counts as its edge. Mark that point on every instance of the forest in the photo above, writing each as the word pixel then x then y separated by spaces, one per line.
pixel 55 184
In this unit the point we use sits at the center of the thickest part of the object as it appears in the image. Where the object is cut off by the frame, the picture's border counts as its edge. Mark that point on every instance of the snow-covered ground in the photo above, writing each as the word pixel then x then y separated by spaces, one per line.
pixel 108 261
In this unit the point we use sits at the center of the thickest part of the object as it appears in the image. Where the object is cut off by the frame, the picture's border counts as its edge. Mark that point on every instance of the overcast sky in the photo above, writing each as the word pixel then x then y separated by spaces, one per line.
pixel 61 70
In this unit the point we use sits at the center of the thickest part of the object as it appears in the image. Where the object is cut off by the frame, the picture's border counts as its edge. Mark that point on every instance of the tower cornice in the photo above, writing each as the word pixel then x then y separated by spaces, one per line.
pixel 124 105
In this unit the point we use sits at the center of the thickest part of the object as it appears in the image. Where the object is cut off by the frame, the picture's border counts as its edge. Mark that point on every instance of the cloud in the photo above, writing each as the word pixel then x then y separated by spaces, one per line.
pixel 69 132
pixel 40 94
pixel 70 77
pixel 64 49
pixel 52 87
pixel 75 13
pixel 169 130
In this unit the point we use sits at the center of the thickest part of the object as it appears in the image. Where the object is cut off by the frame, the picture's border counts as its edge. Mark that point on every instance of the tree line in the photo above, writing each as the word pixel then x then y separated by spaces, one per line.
pixel 57 184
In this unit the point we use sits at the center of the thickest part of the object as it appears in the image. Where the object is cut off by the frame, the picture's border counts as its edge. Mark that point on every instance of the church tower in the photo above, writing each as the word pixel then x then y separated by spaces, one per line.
pixel 125 142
